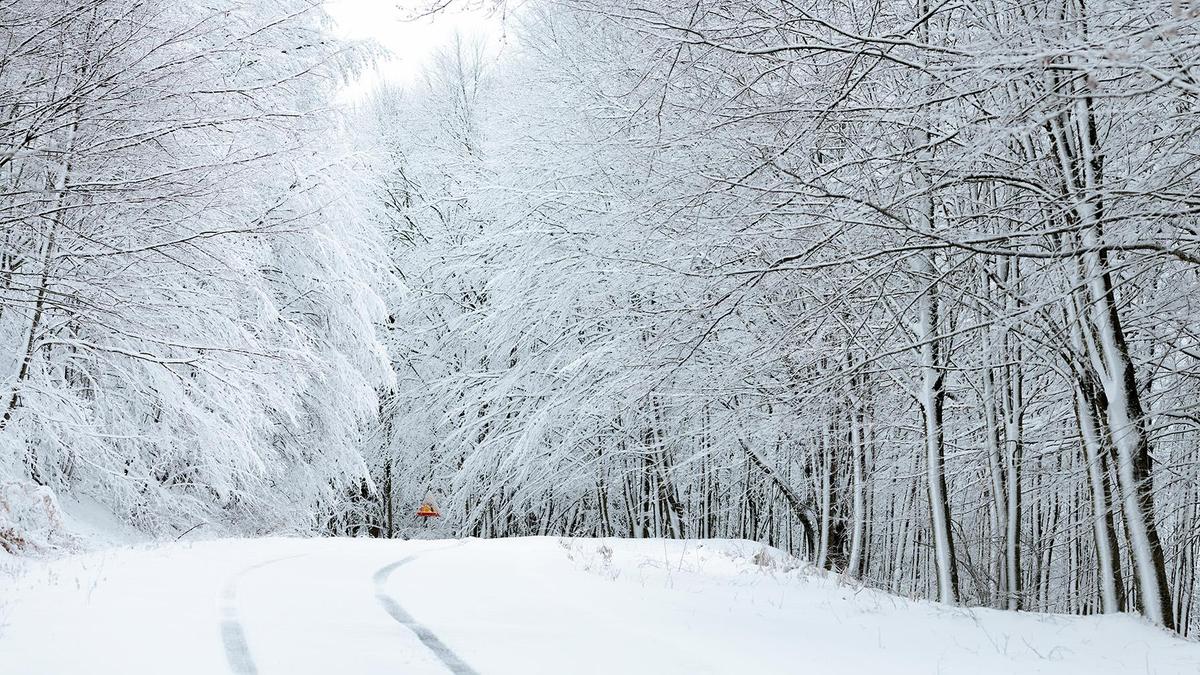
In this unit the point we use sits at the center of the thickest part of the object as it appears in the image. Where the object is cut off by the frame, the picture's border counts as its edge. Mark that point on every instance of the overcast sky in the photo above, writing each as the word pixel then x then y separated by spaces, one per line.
pixel 410 42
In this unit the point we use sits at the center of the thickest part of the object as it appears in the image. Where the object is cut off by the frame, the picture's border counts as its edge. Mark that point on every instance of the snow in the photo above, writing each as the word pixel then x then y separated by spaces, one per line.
pixel 93 524
pixel 522 605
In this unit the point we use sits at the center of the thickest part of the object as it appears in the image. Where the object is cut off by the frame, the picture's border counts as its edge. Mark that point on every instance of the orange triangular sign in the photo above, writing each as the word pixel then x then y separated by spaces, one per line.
pixel 428 510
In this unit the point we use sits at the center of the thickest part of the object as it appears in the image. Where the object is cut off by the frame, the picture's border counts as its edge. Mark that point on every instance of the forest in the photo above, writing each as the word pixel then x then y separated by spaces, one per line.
pixel 908 288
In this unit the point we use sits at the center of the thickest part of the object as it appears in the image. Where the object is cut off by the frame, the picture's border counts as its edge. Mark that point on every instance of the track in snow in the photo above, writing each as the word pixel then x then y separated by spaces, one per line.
pixel 427 637
pixel 237 648
pixel 233 636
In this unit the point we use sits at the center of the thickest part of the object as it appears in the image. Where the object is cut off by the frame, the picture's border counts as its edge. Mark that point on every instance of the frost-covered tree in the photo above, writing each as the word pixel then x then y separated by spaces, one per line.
pixel 906 288
pixel 187 304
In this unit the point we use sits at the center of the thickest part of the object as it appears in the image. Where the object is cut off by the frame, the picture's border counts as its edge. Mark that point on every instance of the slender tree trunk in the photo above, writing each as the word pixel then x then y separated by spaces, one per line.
pixel 1012 469
pixel 858 511
pixel 932 397
pixel 992 442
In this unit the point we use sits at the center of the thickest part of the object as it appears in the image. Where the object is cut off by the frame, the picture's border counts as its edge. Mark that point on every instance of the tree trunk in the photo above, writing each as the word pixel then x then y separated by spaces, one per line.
pixel 932 397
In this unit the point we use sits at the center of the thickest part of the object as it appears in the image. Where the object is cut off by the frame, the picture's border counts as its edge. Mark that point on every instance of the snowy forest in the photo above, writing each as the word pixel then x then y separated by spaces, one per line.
pixel 908 288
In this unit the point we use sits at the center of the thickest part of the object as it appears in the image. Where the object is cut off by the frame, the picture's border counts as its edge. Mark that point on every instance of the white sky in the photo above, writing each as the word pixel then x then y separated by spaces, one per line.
pixel 411 43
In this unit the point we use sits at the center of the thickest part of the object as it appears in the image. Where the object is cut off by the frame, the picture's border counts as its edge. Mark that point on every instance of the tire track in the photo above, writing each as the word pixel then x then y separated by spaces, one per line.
pixel 233 636
pixel 427 637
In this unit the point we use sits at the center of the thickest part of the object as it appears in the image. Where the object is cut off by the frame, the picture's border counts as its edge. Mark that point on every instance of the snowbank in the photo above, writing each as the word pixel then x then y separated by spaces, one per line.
pixel 31 521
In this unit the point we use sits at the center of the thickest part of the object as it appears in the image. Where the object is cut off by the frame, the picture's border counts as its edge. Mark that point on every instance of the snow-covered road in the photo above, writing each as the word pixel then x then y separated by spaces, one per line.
pixel 538 605
pixel 329 611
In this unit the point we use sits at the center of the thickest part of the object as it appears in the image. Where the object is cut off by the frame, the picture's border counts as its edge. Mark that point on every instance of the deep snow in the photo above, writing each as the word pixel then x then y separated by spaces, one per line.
pixel 533 605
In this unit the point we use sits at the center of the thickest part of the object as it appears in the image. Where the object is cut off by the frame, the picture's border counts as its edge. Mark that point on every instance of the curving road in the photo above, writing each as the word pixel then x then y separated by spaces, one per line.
pixel 535 606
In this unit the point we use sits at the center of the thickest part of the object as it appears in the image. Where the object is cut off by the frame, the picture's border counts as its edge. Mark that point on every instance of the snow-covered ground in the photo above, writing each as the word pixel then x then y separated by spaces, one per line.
pixel 536 605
